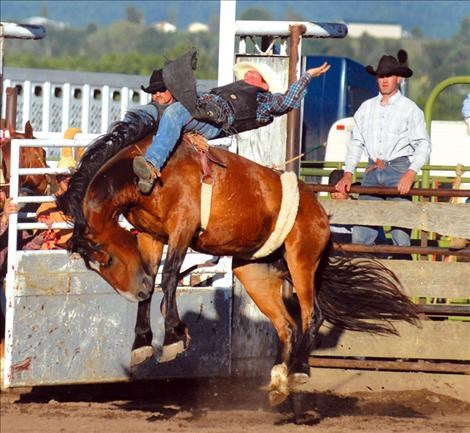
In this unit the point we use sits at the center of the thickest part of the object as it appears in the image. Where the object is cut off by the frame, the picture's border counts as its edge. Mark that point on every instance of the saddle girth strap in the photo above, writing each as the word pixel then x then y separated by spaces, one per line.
pixel 286 217
pixel 202 148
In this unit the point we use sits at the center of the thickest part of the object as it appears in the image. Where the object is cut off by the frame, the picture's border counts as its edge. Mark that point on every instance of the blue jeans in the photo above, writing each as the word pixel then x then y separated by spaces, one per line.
pixel 175 120
pixel 390 176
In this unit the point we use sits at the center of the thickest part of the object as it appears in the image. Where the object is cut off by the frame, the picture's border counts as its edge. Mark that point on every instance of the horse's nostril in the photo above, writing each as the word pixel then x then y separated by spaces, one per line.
pixel 142 296
pixel 147 283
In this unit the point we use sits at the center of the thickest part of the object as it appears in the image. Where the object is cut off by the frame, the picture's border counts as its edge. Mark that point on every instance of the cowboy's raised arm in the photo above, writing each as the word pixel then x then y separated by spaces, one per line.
pixel 282 103
pixel 318 71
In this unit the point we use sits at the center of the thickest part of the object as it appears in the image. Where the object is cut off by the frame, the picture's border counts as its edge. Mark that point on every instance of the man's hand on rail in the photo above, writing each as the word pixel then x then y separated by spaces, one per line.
pixel 344 185
pixel 406 182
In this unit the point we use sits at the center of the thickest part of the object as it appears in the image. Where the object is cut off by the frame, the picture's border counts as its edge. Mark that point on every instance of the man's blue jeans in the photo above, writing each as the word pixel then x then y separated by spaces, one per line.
pixel 175 120
pixel 390 176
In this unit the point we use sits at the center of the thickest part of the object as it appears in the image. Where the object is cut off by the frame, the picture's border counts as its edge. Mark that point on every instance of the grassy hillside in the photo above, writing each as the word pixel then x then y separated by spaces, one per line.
pixel 436 19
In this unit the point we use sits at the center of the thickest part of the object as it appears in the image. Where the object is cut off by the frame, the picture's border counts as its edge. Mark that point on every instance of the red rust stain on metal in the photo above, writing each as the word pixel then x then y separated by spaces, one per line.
pixel 22 366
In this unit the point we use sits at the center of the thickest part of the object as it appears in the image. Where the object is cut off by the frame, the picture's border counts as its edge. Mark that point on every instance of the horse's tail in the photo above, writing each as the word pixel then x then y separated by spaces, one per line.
pixel 361 294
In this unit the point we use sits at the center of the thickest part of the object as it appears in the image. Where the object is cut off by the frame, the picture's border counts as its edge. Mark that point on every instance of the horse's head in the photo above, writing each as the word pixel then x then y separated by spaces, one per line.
pixel 99 192
pixel 114 254
pixel 33 157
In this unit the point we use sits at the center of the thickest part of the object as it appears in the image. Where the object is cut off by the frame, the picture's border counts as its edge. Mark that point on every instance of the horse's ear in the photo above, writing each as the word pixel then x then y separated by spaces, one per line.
pixel 28 130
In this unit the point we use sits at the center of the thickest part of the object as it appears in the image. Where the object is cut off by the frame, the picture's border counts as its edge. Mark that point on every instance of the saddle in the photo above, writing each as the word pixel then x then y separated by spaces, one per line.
pixel 202 147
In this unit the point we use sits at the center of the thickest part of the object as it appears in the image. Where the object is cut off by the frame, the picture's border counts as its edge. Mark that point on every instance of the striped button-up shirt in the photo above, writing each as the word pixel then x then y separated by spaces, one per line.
pixel 388 132
pixel 276 104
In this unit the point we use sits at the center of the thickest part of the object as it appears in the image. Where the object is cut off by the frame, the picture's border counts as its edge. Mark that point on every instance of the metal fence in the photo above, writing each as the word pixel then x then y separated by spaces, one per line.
pixel 56 100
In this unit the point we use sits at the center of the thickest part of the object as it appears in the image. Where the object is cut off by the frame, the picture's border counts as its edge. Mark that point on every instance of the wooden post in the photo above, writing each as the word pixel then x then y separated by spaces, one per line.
pixel 11 106
pixel 293 138
pixel 292 142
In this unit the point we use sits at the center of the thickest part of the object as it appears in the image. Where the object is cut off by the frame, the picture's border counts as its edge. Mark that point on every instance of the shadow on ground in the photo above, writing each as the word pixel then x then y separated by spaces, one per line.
pixel 164 399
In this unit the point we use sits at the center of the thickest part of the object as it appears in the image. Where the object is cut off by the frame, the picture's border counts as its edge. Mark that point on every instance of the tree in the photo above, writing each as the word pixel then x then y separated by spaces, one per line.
pixel 44 12
pixel 134 15
pixel 256 14
pixel 292 14
pixel 416 32
pixel 172 15
pixel 463 35
pixel 91 28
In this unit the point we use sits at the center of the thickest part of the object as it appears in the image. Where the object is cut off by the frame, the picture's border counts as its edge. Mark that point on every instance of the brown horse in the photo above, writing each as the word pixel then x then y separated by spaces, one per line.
pixel 245 205
pixel 33 157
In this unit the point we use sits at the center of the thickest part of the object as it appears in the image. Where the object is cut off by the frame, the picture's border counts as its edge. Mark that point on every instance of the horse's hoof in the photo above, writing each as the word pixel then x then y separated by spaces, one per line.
pixel 277 397
pixel 279 385
pixel 171 351
pixel 298 379
pixel 141 354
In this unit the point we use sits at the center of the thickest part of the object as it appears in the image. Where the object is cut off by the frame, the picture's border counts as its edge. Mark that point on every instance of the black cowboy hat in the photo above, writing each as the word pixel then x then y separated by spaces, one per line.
pixel 156 83
pixel 389 65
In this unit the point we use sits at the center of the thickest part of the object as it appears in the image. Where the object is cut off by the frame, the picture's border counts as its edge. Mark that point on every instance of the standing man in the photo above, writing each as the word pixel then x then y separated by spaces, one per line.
pixel 391 129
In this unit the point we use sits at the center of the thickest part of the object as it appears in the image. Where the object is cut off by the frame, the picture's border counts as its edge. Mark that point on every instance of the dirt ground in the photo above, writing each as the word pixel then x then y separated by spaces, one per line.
pixel 215 405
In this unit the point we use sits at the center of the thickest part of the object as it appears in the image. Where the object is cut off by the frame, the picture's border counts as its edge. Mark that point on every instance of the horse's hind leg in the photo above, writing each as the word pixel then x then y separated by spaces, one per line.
pixel 303 250
pixel 263 283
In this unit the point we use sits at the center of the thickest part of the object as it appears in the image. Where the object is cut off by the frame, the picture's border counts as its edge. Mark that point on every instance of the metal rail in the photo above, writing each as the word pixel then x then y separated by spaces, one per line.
pixel 398 365
pixel 392 191
pixel 430 106
pixel 394 249
pixel 444 310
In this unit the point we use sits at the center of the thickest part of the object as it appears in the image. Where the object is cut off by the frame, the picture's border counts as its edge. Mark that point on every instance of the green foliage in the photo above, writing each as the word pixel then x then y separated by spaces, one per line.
pixel 134 15
pixel 292 14
pixel 257 14
pixel 129 47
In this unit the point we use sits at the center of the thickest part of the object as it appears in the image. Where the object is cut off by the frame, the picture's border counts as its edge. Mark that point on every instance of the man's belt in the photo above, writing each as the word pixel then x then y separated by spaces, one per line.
pixel 380 163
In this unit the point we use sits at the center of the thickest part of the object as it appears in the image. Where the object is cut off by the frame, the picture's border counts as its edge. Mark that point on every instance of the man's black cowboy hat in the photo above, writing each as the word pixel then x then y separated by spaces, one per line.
pixel 389 65
pixel 156 83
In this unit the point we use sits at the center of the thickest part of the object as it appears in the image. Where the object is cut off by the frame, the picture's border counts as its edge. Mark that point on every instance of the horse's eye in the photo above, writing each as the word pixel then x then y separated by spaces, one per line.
pixel 110 262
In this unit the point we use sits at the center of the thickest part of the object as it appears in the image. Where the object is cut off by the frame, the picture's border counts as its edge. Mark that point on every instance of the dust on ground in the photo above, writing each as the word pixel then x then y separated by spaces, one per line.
pixel 223 406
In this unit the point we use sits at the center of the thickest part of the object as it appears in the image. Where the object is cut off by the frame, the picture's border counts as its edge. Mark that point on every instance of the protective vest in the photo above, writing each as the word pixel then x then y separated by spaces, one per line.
pixel 241 100
pixel 241 97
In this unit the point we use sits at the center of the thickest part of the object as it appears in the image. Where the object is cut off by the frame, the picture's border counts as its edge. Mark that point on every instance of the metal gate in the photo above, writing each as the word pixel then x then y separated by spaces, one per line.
pixel 65 324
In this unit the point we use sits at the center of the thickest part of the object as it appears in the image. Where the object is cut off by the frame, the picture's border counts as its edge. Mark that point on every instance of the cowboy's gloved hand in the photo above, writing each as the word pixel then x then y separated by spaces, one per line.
pixel 467 121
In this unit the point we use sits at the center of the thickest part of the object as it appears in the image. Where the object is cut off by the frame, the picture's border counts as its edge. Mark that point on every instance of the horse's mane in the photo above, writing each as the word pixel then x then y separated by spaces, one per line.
pixel 122 134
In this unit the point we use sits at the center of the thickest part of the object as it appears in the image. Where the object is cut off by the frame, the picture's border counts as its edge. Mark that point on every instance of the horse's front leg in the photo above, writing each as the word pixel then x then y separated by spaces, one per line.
pixel 176 332
pixel 142 349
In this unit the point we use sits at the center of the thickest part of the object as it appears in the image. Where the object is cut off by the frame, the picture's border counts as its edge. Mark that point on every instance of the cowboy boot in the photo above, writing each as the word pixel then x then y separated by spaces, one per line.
pixel 146 173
